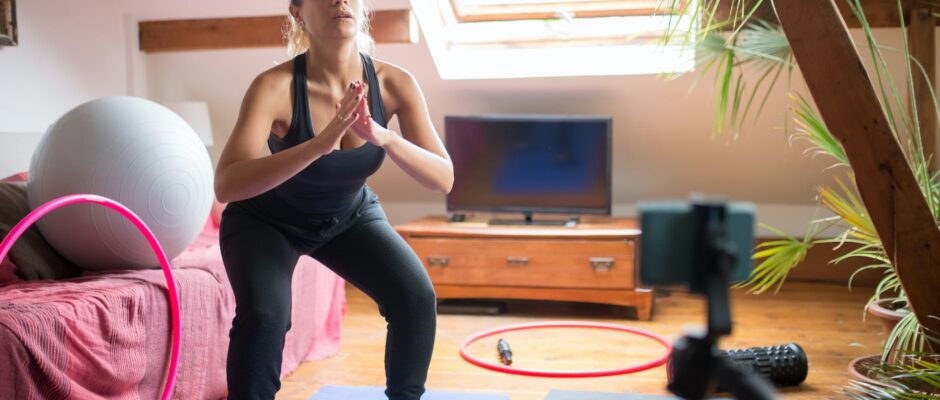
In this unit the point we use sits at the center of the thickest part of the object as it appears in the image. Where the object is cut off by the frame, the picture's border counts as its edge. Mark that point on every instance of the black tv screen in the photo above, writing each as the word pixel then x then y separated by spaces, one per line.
pixel 542 163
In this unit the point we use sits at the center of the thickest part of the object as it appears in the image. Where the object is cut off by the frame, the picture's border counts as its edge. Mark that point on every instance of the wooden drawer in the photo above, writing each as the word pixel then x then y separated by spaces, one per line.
pixel 561 263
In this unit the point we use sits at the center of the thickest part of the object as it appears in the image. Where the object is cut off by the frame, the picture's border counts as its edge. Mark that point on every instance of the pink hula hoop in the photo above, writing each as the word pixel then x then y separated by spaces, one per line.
pixel 48 207
pixel 566 374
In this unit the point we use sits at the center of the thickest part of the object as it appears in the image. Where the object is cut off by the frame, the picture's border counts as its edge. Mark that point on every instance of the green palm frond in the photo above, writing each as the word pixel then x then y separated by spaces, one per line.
pixel 764 42
pixel 765 47
pixel 918 158
pixel 891 100
pixel 714 53
pixel 894 391
pixel 926 179
pixel 730 48
pixel 779 257
pixel 935 193
pixel 867 251
pixel 870 391
pixel 761 48
pixel 885 268
pixel 907 337
pixel 811 127
pixel 888 287
pixel 687 26
pixel 905 125
pixel 706 18
pixel 860 231
pixel 846 204
pixel 927 372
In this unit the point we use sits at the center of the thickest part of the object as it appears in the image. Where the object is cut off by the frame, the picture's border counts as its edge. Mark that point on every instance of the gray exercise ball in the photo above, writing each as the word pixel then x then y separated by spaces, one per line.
pixel 131 150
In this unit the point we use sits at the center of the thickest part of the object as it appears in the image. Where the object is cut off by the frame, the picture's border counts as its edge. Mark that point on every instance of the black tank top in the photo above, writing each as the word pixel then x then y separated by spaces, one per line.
pixel 332 183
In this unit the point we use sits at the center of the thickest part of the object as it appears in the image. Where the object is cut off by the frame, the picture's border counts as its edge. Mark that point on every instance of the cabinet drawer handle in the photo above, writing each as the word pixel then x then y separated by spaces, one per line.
pixel 513 260
pixel 438 261
pixel 602 264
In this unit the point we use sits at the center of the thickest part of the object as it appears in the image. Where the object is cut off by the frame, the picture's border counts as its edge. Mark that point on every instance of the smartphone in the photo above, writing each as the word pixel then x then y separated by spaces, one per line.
pixel 672 235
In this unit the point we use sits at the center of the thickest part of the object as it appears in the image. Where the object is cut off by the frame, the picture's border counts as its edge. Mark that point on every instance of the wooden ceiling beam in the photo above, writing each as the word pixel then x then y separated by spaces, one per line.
pixel 388 26
pixel 879 13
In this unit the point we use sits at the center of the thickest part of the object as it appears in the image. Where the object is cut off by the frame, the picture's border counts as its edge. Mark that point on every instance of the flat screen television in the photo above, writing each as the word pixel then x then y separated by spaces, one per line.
pixel 530 164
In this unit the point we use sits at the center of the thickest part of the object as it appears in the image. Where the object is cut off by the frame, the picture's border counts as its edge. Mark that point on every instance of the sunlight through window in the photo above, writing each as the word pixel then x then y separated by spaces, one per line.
pixel 480 39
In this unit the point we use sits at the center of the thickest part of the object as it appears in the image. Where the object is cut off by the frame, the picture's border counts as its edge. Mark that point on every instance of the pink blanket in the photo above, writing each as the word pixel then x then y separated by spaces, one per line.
pixel 106 335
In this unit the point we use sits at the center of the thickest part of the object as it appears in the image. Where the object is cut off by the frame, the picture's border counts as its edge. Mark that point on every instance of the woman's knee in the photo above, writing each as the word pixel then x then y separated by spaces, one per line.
pixel 422 300
pixel 427 297
pixel 259 317
pixel 409 301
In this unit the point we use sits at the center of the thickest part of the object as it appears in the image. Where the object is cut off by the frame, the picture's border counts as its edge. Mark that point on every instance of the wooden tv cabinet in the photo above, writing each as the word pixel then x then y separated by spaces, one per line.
pixel 591 262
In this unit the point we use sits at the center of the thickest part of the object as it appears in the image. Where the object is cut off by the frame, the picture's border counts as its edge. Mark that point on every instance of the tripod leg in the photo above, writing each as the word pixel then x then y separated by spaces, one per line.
pixel 744 385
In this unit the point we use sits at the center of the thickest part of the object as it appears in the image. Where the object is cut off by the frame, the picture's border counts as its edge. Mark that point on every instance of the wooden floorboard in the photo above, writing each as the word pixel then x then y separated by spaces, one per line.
pixel 825 319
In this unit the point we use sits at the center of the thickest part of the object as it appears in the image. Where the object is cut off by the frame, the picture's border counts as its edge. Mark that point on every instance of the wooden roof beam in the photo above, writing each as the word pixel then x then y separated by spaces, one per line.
pixel 879 13
pixel 387 26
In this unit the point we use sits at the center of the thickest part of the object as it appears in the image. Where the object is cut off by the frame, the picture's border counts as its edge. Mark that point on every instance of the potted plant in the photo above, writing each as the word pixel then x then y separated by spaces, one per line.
pixel 729 46
pixel 889 312
pixel 918 379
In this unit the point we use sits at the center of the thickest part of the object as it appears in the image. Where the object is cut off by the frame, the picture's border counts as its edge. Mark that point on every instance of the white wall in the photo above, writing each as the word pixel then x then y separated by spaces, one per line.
pixel 68 52
pixel 16 149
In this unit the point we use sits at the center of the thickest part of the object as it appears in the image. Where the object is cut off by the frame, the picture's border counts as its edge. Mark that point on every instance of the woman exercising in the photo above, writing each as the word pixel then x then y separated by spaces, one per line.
pixel 324 116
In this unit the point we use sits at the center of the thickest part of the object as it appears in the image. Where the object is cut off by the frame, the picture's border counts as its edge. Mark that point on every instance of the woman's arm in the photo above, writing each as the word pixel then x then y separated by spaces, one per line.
pixel 419 150
pixel 243 172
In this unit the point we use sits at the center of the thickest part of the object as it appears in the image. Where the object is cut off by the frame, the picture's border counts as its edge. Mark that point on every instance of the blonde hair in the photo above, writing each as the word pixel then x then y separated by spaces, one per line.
pixel 298 40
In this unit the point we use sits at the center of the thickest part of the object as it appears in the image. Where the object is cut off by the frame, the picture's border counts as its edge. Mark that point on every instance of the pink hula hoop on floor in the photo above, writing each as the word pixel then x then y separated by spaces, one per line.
pixel 566 374
pixel 48 207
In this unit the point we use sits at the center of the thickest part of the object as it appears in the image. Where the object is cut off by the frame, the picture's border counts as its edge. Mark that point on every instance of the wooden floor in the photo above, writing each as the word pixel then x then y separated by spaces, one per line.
pixel 825 319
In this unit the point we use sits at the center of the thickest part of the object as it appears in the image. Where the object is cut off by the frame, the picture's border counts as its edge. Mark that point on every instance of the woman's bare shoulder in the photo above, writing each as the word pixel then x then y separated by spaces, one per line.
pixel 274 80
pixel 398 85
pixel 392 75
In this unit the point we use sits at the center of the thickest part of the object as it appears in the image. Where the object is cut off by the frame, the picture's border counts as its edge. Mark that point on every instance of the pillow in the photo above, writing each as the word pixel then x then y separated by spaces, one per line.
pixel 34 257
pixel 20 177
pixel 7 268
pixel 7 271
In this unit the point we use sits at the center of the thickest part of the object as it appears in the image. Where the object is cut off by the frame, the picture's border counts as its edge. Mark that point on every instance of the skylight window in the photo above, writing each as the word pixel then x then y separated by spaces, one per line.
pixel 497 10
pixel 478 39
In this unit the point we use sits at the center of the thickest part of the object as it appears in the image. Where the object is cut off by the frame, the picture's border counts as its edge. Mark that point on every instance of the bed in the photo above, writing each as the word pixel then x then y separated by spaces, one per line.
pixel 105 335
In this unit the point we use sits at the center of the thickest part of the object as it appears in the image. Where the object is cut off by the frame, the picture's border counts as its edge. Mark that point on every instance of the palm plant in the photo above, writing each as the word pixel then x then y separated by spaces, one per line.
pixel 760 48
pixel 732 45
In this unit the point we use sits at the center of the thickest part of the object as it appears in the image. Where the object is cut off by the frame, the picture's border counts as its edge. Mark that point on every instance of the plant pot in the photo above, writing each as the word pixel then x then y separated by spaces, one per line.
pixel 885 312
pixel 868 369
pixel 860 368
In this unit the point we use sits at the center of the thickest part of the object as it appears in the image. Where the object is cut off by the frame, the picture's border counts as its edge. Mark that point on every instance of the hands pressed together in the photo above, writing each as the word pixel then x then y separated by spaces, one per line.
pixel 352 112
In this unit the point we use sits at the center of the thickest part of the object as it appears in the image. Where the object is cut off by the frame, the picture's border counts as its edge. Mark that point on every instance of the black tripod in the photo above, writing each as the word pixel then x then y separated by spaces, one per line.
pixel 695 366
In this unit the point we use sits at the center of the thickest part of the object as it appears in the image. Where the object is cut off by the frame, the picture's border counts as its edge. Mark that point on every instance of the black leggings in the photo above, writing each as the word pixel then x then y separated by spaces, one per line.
pixel 360 246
